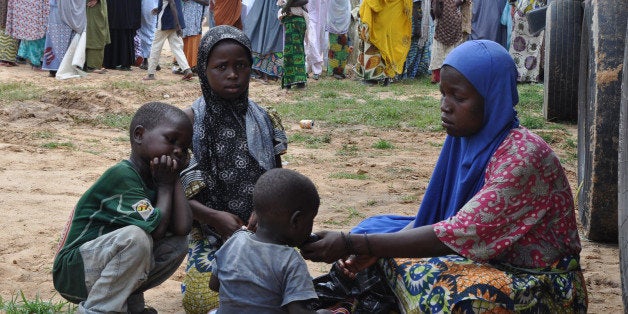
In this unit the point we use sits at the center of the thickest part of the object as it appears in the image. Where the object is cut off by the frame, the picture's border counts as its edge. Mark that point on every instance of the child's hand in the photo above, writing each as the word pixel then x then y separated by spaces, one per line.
pixel 154 11
pixel 179 32
pixel 165 170
pixel 91 3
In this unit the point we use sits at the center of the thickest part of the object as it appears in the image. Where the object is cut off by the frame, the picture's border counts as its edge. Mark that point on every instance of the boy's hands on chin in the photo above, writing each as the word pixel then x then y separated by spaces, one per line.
pixel 164 169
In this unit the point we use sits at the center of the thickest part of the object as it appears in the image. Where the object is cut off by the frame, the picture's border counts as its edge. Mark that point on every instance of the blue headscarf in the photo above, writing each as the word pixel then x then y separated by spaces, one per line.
pixel 459 171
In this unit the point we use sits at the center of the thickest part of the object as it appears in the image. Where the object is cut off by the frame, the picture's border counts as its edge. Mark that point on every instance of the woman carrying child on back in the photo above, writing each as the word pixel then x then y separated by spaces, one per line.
pixel 234 143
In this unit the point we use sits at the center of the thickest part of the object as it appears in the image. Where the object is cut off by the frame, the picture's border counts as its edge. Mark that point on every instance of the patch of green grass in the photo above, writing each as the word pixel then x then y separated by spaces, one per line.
pixel 136 86
pixel 570 143
pixel 351 213
pixel 111 120
pixel 347 175
pixel 118 121
pixel 348 150
pixel 310 141
pixel 43 134
pixel 55 145
pixel 20 305
pixel 347 102
pixel 550 137
pixel 406 199
pixel 383 144
pixel 354 213
pixel 19 91
pixel 532 122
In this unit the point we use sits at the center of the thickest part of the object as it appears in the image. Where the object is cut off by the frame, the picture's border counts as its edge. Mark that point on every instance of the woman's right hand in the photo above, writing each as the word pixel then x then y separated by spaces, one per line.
pixel 225 224
pixel 329 248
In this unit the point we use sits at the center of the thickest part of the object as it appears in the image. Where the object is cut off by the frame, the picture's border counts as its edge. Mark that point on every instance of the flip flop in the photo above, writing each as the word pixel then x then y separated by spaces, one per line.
pixel 188 76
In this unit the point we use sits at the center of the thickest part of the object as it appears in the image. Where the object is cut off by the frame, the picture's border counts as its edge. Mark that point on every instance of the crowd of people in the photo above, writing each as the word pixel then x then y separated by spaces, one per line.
pixel 292 40
pixel 496 228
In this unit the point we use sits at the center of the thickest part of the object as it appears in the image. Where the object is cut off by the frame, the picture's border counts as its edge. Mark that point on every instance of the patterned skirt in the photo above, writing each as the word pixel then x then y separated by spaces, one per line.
pixel 190 49
pixel 8 47
pixel 271 64
pixel 454 284
pixel 370 65
pixel 197 297
pixel 418 60
pixel 525 49
pixel 293 51
pixel 338 54
pixel 32 50
pixel 58 38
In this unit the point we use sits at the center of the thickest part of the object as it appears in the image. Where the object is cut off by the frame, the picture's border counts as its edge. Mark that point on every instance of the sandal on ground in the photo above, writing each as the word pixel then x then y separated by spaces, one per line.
pixel 7 64
pixel 149 77
pixel 187 75
pixel 100 71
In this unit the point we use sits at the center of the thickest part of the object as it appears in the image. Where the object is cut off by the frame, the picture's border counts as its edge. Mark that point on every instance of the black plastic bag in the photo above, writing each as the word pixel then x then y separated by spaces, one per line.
pixel 369 289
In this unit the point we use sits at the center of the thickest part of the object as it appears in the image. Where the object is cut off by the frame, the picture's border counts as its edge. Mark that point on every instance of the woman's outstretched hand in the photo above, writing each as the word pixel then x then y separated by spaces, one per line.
pixel 329 248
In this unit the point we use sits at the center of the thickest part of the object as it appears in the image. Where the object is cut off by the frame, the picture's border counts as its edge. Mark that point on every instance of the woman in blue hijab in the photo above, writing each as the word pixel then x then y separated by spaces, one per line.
pixel 496 229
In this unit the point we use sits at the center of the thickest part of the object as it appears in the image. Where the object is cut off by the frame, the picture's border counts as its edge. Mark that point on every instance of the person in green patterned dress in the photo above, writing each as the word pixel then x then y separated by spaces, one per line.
pixel 293 17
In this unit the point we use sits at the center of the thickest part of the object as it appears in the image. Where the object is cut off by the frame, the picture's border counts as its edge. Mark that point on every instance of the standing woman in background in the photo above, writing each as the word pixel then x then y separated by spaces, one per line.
pixel 125 18
pixel 293 16
pixel 97 35
pixel 418 60
pixel 27 21
pixel 264 29
pixel 228 12
pixel 385 32
pixel 67 18
pixel 8 44
pixel 315 38
pixel 526 48
pixel 144 36
pixel 193 11
pixel 450 31
pixel 338 21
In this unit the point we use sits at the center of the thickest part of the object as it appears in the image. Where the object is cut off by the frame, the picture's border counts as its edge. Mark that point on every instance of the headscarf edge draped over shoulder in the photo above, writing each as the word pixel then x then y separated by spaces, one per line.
pixel 459 171
pixel 261 130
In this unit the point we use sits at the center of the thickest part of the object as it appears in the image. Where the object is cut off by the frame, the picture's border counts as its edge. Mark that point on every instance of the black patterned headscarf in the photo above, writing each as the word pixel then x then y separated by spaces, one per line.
pixel 232 140
pixel 210 39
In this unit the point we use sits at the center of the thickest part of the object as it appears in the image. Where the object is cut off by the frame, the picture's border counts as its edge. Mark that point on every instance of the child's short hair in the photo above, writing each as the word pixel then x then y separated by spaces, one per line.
pixel 282 191
pixel 155 113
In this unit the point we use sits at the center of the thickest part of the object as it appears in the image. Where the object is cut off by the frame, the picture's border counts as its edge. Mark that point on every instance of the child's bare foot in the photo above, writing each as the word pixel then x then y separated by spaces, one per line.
pixel 149 77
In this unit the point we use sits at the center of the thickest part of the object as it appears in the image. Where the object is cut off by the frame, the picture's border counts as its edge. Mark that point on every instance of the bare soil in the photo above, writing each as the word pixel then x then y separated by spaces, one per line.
pixel 52 152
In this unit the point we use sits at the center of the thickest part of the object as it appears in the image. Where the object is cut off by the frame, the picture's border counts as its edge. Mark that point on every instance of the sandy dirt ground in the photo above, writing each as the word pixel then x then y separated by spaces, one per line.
pixel 52 151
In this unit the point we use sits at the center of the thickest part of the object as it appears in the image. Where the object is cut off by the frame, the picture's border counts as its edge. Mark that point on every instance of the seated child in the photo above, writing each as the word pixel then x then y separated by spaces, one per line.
pixel 262 271
pixel 127 233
